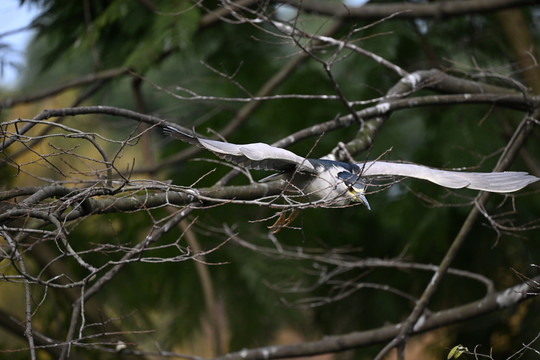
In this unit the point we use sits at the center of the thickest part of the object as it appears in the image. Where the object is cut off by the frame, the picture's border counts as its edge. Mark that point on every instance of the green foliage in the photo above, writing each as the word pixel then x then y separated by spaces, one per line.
pixel 456 351
pixel 116 33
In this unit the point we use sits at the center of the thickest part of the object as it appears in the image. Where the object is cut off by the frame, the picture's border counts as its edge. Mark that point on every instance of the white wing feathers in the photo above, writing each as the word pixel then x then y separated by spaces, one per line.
pixel 499 182
pixel 258 155
pixel 255 156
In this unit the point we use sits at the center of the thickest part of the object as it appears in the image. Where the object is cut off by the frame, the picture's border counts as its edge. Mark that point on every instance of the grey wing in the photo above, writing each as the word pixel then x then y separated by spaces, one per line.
pixel 255 156
pixel 499 182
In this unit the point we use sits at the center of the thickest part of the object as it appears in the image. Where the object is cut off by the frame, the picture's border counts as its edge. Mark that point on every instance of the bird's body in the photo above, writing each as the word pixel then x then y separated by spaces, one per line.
pixel 321 185
pixel 338 183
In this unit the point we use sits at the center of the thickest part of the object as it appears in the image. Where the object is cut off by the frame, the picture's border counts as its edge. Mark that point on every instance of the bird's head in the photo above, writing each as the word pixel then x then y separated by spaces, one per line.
pixel 355 187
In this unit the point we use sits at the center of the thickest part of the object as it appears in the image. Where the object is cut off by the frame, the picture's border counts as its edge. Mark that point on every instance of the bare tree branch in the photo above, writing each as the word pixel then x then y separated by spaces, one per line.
pixel 438 10
pixel 337 343
pixel 55 90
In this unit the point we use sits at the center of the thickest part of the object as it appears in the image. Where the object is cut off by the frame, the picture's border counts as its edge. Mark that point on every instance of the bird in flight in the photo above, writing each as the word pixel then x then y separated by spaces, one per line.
pixel 339 183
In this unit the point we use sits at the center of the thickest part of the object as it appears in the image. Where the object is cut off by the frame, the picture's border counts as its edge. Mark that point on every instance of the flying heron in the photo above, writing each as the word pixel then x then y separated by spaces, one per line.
pixel 339 183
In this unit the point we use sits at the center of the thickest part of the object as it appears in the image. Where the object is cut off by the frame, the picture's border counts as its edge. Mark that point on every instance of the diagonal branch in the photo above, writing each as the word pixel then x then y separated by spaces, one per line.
pixel 521 134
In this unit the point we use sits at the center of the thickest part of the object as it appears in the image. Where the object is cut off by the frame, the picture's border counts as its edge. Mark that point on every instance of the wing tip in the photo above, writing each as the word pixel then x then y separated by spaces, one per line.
pixel 505 182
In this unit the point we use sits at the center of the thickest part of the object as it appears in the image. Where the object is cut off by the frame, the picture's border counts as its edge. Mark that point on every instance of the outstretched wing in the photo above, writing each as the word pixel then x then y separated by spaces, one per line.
pixel 255 156
pixel 499 182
